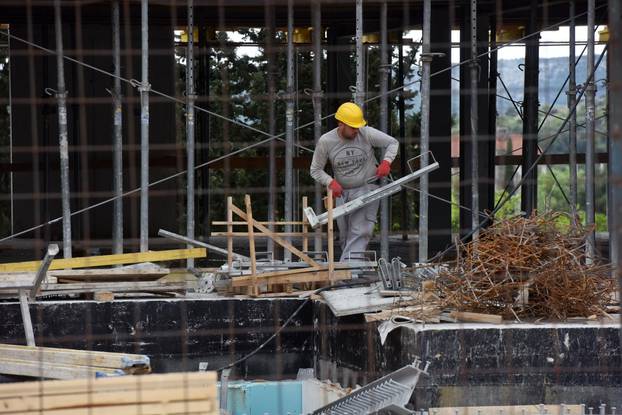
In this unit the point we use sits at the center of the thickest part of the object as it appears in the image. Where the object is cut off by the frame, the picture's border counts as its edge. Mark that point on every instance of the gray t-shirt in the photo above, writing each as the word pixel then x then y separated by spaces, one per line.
pixel 353 161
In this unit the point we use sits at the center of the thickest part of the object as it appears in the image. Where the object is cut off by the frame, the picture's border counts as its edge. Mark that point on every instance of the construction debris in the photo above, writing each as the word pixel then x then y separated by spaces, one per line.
pixel 173 393
pixel 527 268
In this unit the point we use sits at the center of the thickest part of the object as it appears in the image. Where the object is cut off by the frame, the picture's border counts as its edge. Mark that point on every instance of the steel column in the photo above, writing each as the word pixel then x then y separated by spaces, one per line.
pixel 401 108
pixel 474 124
pixel 61 97
pixel 190 119
pixel 117 122
pixel 317 101
pixel 144 128
pixel 590 92
pixel 572 123
pixel 615 143
pixel 289 125
pixel 359 96
pixel 384 125
pixel 426 61
pixel 529 189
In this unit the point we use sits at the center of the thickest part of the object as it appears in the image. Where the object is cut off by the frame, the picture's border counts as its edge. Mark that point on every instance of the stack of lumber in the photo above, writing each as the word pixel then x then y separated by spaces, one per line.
pixel 54 363
pixel 174 393
pixel 64 276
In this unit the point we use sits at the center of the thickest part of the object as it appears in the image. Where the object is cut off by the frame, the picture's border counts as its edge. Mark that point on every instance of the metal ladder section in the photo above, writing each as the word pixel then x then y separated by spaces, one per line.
pixel 387 395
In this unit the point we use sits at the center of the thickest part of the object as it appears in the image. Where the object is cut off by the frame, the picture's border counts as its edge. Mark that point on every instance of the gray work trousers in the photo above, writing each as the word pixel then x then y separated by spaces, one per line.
pixel 357 228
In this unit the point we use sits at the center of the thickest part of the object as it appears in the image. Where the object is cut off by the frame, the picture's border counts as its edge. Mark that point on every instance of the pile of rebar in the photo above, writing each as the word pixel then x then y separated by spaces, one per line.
pixel 528 268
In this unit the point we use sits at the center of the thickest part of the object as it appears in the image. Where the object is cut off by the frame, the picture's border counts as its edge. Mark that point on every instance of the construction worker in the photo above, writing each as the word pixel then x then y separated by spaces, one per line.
pixel 350 149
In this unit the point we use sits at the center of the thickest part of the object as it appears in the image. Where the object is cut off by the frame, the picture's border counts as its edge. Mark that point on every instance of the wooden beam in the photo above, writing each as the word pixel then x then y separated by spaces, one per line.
pixel 75 357
pixel 252 290
pixel 476 317
pixel 308 276
pixel 87 401
pixel 53 370
pixel 277 239
pixel 148 382
pixel 104 260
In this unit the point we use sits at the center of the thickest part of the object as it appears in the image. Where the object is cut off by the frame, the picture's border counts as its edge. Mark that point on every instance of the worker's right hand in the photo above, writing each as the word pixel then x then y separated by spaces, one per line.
pixel 336 188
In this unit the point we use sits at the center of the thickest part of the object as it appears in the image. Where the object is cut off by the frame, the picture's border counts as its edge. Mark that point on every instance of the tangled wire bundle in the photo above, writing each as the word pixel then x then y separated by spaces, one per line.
pixel 528 268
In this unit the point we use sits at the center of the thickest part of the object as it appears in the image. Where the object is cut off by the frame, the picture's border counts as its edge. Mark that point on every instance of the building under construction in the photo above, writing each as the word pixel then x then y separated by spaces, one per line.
pixel 158 212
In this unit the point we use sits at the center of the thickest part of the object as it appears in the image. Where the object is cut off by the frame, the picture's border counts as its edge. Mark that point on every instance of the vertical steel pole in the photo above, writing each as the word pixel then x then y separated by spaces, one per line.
pixel 61 96
pixel 117 122
pixel 615 143
pixel 289 125
pixel 317 103
pixel 384 125
pixel 190 120
pixel 273 183
pixel 474 124
pixel 529 188
pixel 590 92
pixel 572 123
pixel 426 60
pixel 359 96
pixel 401 105
pixel 144 129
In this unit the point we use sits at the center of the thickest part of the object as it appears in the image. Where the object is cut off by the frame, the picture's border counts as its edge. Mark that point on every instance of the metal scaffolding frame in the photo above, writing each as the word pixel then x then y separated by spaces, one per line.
pixel 530 115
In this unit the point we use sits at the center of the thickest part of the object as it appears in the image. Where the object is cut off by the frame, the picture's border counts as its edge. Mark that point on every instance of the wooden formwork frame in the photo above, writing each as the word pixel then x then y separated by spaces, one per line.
pixel 313 273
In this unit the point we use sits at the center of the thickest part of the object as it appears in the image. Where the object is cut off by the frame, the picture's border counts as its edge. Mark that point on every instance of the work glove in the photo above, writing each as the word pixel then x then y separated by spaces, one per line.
pixel 384 168
pixel 336 188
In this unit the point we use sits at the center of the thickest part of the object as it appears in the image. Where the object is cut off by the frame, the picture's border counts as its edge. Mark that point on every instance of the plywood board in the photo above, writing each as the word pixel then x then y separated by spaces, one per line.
pixel 357 300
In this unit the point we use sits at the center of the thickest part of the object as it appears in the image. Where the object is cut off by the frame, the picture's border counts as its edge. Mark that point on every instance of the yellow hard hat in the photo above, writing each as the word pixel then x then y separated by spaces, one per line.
pixel 350 114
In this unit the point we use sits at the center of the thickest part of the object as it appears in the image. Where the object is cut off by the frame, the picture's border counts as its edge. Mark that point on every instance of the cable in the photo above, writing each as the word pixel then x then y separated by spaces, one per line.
pixel 291 317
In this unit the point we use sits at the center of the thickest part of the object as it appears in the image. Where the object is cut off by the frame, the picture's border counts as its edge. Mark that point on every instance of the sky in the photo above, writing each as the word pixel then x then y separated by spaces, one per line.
pixel 507 52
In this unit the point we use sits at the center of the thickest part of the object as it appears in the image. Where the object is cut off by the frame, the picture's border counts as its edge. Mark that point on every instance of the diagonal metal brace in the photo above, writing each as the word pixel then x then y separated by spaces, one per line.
pixel 43 270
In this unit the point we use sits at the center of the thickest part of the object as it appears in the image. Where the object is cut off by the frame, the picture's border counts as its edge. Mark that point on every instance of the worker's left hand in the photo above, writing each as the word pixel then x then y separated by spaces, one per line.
pixel 384 168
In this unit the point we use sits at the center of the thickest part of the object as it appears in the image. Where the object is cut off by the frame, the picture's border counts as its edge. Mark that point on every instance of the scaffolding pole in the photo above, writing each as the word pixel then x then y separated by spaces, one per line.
pixel 359 95
pixel 572 123
pixel 590 92
pixel 190 120
pixel 272 180
pixel 474 125
pixel 144 128
pixel 317 103
pixel 615 143
pixel 289 126
pixel 384 125
pixel 426 60
pixel 61 98
pixel 117 122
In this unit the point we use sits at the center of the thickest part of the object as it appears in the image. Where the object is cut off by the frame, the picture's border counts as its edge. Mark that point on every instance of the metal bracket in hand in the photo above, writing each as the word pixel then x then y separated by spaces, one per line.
pixel 377 194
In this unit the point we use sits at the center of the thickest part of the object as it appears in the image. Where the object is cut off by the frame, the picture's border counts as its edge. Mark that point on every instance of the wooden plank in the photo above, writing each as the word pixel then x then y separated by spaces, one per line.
pixel 229 232
pixel 476 317
pixel 51 370
pixel 252 290
pixel 147 382
pixel 278 239
pixel 95 398
pixel 74 357
pixel 305 226
pixel 263 222
pixel 308 276
pixel 329 232
pixel 508 410
pixel 245 234
pixel 104 260
pixel 200 407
